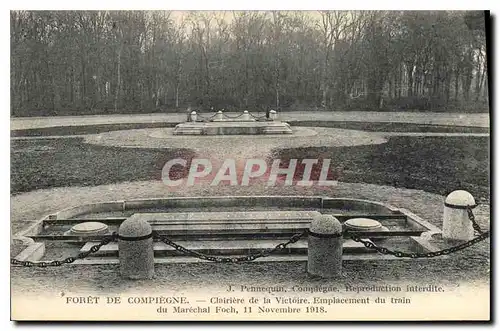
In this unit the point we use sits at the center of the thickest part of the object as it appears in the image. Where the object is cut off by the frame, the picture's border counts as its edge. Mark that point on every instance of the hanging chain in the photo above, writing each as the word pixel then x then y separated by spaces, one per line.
pixel 258 117
pixel 232 117
pixel 250 257
pixel 201 116
pixel 396 253
pixel 472 218
pixel 205 118
pixel 68 260
pixel 263 253
pixel 482 236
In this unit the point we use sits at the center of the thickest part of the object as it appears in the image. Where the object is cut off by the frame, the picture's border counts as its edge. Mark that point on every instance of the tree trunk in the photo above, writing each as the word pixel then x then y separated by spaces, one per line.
pixel 118 78
pixel 400 81
pixel 409 72
pixel 277 95
pixel 177 96
pixel 324 84
pixel 480 82
pixel 447 85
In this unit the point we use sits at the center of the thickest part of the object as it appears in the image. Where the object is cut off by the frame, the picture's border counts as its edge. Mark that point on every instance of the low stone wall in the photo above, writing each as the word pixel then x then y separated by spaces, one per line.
pixel 357 204
pixel 237 201
pixel 306 202
pixel 89 208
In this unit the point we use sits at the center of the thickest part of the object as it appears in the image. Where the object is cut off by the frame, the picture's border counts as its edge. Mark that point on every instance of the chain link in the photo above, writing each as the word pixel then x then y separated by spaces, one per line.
pixel 67 260
pixel 227 116
pixel 472 218
pixel 264 253
pixel 396 253
pixel 206 118
pixel 482 236
pixel 250 257
pixel 258 117
pixel 233 117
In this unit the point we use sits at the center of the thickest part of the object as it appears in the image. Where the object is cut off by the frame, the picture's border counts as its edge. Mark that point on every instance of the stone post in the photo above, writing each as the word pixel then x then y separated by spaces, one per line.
pixel 273 115
pixel 135 249
pixel 219 116
pixel 194 116
pixel 456 222
pixel 324 252
pixel 246 116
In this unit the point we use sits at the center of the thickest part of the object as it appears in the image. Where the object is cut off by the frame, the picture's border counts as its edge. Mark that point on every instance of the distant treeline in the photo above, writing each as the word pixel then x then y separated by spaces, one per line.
pixel 85 62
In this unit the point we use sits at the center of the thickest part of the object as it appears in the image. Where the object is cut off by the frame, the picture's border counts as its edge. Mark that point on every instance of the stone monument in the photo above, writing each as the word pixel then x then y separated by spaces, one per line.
pixel 242 124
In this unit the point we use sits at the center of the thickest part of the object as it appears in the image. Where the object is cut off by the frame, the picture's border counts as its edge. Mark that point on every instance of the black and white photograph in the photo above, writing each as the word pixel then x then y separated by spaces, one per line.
pixel 250 165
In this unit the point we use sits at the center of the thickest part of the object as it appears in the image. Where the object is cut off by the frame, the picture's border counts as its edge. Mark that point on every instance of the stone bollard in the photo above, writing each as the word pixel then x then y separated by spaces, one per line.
pixel 135 249
pixel 219 116
pixel 194 116
pixel 273 115
pixel 246 116
pixel 324 252
pixel 456 222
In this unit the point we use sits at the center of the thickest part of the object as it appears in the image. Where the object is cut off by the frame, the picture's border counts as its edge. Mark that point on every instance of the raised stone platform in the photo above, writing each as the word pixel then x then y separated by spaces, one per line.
pixel 232 128
pixel 228 231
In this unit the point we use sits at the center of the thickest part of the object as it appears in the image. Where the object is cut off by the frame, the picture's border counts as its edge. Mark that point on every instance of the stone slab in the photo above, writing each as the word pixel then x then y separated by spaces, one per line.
pixel 33 252
pixel 227 217
pixel 232 128
pixel 89 228
pixel 231 227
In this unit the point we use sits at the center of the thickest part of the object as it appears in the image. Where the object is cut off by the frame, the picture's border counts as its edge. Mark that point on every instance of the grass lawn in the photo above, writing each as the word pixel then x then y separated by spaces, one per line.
pixel 433 164
pixel 391 126
pixel 85 129
pixel 69 162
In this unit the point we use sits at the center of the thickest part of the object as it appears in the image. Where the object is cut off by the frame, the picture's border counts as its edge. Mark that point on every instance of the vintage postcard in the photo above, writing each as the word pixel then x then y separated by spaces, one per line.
pixel 250 165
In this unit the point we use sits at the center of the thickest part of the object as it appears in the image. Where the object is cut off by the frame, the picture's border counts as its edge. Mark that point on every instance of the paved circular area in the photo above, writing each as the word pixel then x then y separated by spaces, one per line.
pixel 235 146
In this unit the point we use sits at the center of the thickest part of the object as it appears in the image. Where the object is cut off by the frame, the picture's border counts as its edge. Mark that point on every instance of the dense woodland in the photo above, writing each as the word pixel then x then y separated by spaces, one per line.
pixel 87 62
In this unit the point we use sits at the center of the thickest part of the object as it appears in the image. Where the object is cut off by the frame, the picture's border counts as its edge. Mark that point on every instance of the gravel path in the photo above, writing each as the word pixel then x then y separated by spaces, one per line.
pixel 458 119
